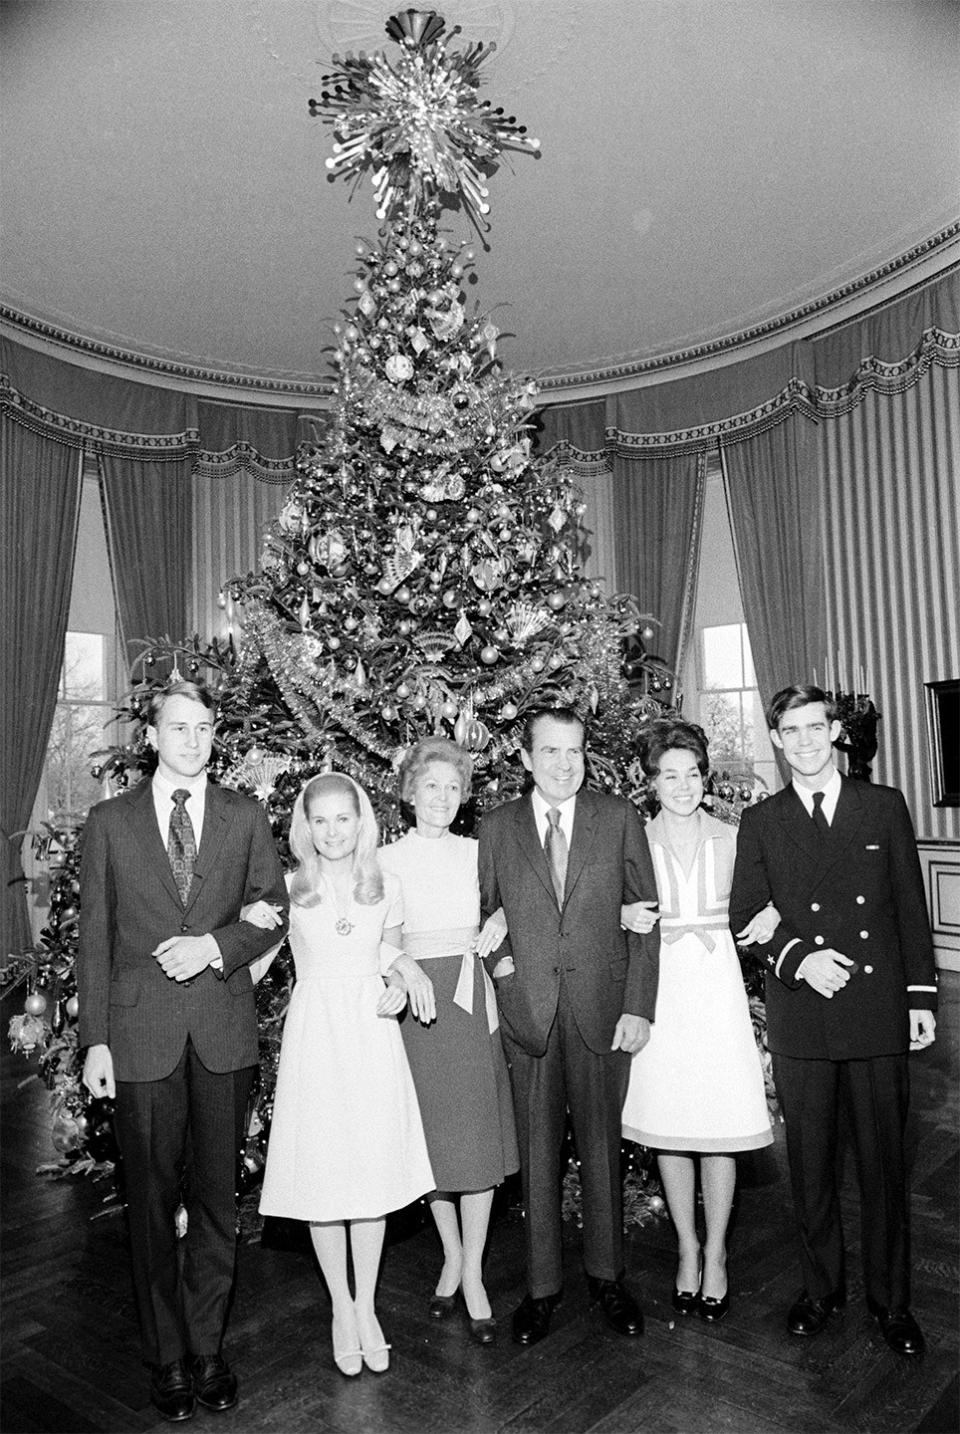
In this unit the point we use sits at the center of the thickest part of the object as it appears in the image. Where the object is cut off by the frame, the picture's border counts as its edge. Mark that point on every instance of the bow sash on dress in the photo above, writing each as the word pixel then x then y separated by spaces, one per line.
pixel 459 941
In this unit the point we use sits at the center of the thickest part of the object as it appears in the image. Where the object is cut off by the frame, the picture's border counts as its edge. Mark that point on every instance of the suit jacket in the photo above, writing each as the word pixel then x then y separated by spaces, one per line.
pixel 860 891
pixel 607 971
pixel 129 903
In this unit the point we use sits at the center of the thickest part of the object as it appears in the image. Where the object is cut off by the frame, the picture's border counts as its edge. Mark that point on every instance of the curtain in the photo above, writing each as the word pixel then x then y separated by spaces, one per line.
pixel 147 509
pixel 230 515
pixel 892 538
pixel 659 513
pixel 773 492
pixel 41 487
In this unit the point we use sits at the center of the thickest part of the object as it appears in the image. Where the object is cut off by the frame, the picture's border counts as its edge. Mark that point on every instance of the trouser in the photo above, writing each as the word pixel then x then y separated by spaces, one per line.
pixel 592 1086
pixel 180 1138
pixel 875 1094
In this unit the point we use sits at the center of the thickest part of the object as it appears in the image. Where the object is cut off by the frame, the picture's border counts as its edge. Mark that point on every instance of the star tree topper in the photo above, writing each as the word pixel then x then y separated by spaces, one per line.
pixel 417 125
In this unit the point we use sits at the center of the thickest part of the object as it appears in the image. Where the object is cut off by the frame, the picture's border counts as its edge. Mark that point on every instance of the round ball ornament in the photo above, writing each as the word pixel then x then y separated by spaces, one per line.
pixel 35 1004
pixel 72 1008
pixel 449 598
pixel 508 711
pixel 556 600
pixel 489 654
pixel 449 710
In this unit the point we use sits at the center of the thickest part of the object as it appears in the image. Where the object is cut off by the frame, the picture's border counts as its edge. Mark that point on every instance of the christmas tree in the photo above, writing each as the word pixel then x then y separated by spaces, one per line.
pixel 425 574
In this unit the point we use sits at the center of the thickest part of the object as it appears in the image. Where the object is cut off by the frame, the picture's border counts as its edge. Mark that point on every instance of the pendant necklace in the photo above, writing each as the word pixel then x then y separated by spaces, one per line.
pixel 341 926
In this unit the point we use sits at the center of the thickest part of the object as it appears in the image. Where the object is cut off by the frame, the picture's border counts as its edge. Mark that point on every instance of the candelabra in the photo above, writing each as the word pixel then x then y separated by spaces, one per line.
pixel 858 718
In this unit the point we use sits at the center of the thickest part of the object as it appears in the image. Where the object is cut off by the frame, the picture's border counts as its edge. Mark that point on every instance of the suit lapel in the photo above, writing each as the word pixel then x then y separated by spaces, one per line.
pixel 798 826
pixel 584 833
pixel 216 821
pixel 142 817
pixel 528 839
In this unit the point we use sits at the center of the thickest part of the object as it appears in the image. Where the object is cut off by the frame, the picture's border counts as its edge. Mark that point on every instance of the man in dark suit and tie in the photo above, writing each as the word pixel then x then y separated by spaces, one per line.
pixel 851 987
pixel 168 1016
pixel 575 1006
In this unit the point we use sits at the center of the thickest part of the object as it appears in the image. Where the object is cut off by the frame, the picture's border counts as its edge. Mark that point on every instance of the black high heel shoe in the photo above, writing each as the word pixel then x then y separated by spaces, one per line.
pixel 442 1306
pixel 714 1310
pixel 685 1302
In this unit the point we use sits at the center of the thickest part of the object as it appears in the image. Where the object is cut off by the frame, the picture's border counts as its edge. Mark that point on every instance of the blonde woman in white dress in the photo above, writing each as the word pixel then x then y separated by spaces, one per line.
pixel 346 1140
pixel 696 1092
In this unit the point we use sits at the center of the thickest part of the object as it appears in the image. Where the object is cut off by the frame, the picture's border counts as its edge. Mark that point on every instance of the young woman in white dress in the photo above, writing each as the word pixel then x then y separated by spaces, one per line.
pixel 696 1092
pixel 346 1140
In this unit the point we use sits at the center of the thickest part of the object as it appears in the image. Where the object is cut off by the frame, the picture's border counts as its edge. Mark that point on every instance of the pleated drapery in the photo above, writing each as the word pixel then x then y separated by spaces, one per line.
pixel 772 482
pixel 147 507
pixel 891 493
pixel 41 486
pixel 659 508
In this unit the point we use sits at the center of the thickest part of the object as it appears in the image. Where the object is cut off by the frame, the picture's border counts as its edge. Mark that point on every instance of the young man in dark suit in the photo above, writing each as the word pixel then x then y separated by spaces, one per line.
pixel 168 1016
pixel 576 1005
pixel 851 987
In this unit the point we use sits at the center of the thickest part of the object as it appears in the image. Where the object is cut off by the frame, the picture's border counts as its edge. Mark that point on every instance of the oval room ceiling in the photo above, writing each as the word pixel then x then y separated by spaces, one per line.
pixel 709 169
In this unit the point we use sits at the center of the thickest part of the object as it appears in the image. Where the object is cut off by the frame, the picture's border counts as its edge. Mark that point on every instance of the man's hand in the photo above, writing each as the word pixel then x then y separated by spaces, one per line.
pixel 923 1030
pixel 98 1073
pixel 826 971
pixel 631 1034
pixel 761 927
pixel 183 957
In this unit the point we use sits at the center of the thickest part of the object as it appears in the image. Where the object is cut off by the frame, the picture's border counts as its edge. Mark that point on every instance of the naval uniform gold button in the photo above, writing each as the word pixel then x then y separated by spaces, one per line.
pixel 868 970
pixel 861 900
pixel 818 940
pixel 864 935
pixel 814 906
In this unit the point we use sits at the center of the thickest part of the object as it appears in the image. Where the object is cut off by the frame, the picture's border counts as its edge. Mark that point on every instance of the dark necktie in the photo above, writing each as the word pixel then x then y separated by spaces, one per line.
pixel 819 819
pixel 181 844
pixel 555 846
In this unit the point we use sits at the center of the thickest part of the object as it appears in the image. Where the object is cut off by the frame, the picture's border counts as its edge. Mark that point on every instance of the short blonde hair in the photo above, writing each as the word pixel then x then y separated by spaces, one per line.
pixel 306 889
pixel 424 754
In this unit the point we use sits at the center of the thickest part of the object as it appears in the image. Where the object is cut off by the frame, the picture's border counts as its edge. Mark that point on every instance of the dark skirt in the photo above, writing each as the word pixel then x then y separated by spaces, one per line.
pixel 463 1086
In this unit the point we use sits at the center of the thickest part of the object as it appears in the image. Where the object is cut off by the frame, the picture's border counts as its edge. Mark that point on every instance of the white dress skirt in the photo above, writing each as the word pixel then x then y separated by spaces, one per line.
pixel 346 1140
pixel 698 1083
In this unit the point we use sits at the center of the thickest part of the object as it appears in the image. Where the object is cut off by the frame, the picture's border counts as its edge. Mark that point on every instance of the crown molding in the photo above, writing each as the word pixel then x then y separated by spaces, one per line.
pixel 924 261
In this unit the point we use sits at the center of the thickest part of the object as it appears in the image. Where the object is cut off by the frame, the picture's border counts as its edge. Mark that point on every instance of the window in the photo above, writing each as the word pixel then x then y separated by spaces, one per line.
pixel 84 722
pixel 80 725
pixel 731 711
pixel 719 681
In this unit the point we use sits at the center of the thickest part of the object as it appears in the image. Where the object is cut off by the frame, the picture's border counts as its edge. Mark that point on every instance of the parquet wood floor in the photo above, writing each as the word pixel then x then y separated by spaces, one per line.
pixel 70 1351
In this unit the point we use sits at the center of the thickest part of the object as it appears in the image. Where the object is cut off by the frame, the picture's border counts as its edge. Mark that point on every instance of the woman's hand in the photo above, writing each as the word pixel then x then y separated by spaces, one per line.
pixel 640 916
pixel 492 934
pixel 263 914
pixel 760 928
pixel 419 988
pixel 394 997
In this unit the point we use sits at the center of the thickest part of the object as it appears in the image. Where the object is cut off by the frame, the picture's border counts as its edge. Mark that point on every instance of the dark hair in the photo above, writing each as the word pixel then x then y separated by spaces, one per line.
pixel 565 715
pixel 800 694
pixel 195 691
pixel 423 755
pixel 672 736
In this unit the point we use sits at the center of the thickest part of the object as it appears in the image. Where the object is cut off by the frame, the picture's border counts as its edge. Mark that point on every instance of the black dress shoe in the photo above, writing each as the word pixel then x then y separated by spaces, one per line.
pixel 899 1329
pixel 442 1306
pixel 685 1302
pixel 619 1309
pixel 213 1383
pixel 531 1318
pixel 714 1310
pixel 171 1391
pixel 808 1315
pixel 484 1331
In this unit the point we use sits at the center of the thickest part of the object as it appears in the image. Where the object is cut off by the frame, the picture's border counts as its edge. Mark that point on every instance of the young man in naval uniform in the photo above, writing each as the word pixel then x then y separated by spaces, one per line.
pixel 851 988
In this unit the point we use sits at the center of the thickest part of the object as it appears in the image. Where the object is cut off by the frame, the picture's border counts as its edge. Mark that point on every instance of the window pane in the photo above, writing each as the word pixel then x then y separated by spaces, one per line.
pixel 83 666
pixel 722 656
pixel 722 721
pixel 78 732
pixel 749 671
